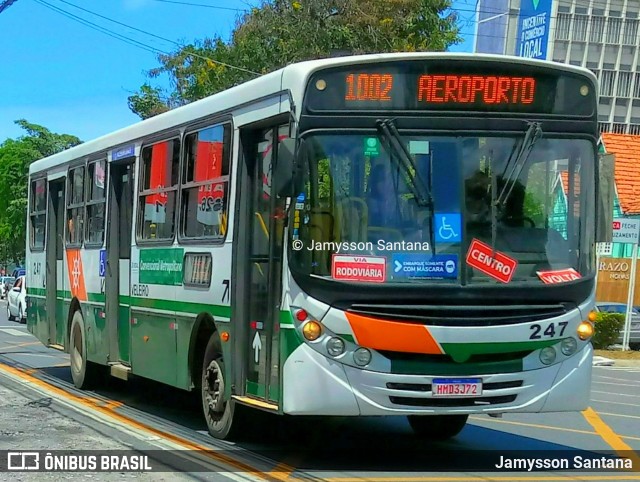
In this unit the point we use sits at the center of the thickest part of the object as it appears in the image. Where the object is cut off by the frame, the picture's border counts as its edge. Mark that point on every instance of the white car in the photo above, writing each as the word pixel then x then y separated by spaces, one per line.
pixel 17 301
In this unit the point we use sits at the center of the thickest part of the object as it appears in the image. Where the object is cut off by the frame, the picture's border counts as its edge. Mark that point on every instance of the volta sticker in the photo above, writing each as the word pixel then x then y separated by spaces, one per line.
pixel 558 276
pixel 497 265
pixel 359 268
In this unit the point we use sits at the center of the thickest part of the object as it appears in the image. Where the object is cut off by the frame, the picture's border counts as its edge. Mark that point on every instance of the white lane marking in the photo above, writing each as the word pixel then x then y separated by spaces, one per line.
pixel 618 394
pixel 614 378
pixel 615 403
pixel 621 369
pixel 618 415
pixel 618 384
pixel 14 332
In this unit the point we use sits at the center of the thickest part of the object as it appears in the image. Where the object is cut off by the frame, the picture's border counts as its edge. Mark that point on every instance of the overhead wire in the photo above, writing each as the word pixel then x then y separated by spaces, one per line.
pixel 217 7
pixel 99 28
pixel 128 39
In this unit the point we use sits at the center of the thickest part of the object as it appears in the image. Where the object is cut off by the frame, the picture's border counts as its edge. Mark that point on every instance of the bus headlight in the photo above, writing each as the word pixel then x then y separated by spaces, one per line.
pixel 568 346
pixel 585 330
pixel 362 357
pixel 548 355
pixel 312 330
pixel 335 346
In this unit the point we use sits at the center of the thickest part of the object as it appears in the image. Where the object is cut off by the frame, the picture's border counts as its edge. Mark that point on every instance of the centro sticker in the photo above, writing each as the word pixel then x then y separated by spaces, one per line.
pixel 497 265
pixel 359 268
pixel 558 276
pixel 424 266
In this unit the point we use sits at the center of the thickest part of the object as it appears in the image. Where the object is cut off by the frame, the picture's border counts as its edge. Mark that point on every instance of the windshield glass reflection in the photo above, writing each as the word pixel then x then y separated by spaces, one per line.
pixel 357 200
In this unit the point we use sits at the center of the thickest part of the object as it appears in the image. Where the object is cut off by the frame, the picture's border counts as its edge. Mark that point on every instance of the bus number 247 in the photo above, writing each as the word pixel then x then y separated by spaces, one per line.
pixel 549 332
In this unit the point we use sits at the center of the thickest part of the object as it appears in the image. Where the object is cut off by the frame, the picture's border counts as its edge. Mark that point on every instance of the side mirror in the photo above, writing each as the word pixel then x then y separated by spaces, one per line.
pixel 283 173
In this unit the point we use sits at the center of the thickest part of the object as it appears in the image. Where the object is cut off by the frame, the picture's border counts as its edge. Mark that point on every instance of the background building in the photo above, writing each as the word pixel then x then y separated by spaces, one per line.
pixel 601 35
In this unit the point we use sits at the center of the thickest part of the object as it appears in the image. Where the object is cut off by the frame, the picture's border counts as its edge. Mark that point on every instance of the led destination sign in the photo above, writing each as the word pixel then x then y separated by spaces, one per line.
pixel 461 89
pixel 428 86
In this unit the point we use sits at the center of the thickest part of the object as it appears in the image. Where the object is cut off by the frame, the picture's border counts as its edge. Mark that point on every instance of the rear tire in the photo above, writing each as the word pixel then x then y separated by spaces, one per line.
pixel 85 374
pixel 437 427
pixel 21 317
pixel 224 418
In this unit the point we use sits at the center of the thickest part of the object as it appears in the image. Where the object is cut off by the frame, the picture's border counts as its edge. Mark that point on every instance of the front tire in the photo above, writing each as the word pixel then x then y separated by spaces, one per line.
pixel 437 427
pixel 85 374
pixel 223 417
pixel 9 315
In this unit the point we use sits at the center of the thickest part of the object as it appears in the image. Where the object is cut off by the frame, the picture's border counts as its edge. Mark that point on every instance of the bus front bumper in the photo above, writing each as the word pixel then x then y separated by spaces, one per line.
pixel 317 385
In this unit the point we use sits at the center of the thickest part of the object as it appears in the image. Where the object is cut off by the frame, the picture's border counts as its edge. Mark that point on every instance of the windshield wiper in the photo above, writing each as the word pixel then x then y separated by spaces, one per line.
pixel 404 160
pixel 398 152
pixel 517 161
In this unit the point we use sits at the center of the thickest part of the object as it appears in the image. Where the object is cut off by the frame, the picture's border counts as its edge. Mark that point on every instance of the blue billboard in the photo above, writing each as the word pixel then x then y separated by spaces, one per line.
pixel 533 29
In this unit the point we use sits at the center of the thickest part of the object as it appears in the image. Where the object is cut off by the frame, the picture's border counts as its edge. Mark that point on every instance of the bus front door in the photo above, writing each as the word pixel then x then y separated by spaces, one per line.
pixel 54 260
pixel 118 260
pixel 260 290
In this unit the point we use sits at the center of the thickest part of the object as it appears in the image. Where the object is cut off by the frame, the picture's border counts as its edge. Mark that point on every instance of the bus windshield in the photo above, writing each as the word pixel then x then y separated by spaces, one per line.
pixel 443 209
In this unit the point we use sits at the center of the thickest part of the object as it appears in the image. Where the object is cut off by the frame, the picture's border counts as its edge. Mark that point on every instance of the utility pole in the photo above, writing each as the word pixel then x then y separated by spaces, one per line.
pixel 6 4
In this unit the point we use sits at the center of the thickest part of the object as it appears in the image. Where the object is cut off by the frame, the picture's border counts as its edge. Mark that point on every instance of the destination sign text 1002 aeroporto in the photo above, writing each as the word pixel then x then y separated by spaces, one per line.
pixel 423 86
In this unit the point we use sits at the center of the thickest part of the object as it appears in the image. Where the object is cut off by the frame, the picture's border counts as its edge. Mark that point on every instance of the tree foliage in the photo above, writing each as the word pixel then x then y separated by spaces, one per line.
pixel 15 157
pixel 607 329
pixel 279 32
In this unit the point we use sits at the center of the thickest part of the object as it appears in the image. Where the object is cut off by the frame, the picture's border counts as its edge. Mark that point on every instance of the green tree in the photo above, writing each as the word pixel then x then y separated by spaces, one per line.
pixel 280 32
pixel 15 157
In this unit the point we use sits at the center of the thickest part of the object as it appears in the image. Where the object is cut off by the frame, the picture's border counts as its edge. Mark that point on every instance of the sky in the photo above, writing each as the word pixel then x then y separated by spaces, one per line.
pixel 74 79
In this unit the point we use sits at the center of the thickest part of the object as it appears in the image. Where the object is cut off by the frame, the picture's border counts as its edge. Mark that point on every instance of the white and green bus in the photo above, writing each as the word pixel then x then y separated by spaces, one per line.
pixel 406 234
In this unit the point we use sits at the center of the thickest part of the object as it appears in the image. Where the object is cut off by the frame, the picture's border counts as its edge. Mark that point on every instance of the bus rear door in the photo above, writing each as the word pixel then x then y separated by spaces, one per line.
pixel 55 271
pixel 118 259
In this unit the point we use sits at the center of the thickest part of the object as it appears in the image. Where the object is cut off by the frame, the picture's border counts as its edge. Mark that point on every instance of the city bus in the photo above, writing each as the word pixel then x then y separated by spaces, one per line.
pixel 406 234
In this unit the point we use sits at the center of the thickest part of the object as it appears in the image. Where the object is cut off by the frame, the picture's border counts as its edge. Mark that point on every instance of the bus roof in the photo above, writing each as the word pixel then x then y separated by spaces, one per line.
pixel 293 77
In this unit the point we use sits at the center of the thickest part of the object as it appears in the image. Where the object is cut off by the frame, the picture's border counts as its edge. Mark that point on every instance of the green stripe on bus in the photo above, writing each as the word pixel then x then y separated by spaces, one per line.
pixel 183 306
pixel 286 318
pixel 461 352
pixel 446 367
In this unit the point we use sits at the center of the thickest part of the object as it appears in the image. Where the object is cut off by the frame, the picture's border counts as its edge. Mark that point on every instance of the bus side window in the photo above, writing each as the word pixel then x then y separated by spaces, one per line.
pixel 96 202
pixel 38 213
pixel 158 190
pixel 75 207
pixel 205 183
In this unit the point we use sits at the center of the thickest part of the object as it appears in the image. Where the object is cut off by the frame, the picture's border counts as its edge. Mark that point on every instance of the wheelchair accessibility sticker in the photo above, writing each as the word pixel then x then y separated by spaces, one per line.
pixel 448 228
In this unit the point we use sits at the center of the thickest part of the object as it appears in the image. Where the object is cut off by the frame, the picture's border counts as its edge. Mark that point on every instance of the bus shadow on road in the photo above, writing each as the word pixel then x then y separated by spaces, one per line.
pixel 331 443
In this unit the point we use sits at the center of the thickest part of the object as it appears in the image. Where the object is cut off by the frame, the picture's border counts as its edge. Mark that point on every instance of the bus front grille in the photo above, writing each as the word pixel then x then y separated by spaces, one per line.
pixel 426 387
pixel 452 402
pixel 461 315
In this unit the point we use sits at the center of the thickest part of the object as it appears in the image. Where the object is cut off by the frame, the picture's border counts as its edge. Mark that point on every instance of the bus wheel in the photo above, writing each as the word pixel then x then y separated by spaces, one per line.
pixel 437 427
pixel 84 373
pixel 218 413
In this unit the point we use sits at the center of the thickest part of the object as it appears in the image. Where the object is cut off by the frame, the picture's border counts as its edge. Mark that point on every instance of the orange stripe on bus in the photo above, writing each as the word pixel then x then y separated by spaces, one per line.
pixel 392 335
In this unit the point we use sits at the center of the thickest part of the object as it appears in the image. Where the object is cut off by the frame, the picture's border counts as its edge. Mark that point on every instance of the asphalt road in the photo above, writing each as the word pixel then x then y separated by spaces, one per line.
pixel 147 415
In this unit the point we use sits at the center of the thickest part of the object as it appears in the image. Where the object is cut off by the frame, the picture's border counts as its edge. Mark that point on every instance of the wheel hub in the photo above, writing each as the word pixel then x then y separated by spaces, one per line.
pixel 214 387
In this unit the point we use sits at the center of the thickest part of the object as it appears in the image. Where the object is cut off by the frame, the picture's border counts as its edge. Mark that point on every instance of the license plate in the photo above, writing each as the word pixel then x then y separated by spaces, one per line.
pixel 456 387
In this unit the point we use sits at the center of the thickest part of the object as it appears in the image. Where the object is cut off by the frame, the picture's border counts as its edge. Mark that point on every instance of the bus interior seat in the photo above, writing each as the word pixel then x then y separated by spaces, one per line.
pixel 351 219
